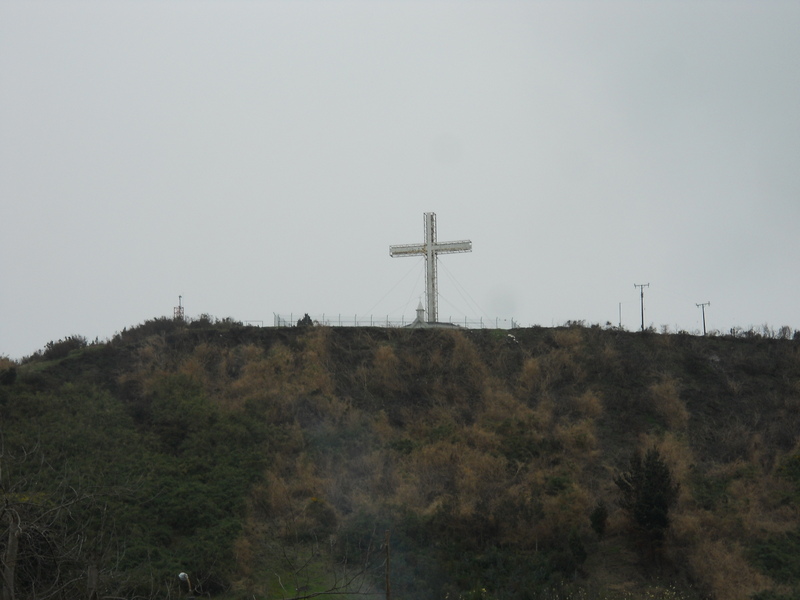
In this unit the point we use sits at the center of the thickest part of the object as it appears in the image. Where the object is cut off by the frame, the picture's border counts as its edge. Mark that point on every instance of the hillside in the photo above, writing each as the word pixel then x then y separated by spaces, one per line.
pixel 278 462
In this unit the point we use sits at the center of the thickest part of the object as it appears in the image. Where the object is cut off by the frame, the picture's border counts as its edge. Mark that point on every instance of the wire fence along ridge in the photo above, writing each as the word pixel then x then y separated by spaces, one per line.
pixel 339 320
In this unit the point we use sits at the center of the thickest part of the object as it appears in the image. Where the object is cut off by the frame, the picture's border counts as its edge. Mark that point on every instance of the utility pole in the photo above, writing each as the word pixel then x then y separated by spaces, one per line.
pixel 703 307
pixel 642 286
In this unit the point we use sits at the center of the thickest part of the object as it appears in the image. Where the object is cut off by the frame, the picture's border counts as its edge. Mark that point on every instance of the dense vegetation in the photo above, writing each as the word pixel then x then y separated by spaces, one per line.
pixel 572 462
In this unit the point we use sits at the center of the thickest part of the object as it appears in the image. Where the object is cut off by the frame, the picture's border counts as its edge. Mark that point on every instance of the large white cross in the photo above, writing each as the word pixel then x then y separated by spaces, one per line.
pixel 430 248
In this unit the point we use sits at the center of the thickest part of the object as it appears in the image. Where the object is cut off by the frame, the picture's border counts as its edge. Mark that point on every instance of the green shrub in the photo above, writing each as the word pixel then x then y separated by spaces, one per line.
pixel 779 557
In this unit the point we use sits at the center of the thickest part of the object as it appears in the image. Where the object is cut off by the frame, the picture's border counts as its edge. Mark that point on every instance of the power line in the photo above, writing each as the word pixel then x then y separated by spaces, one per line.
pixel 465 296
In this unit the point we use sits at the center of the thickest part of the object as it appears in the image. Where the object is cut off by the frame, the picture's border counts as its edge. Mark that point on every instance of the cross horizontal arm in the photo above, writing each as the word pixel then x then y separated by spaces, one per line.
pixel 407 249
pixel 438 248
pixel 448 247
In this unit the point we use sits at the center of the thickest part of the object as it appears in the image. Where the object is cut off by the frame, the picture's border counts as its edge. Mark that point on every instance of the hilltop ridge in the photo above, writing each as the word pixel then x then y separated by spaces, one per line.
pixel 272 462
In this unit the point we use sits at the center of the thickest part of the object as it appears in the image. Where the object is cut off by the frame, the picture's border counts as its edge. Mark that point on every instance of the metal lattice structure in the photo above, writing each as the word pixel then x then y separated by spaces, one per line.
pixel 178 312
pixel 430 249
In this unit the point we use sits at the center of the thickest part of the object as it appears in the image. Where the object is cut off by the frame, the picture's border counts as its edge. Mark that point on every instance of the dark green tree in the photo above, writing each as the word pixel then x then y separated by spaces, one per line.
pixel 647 493
pixel 599 518
pixel 8 376
pixel 61 348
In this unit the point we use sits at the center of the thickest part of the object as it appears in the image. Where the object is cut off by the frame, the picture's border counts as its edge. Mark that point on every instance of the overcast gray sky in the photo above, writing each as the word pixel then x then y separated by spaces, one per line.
pixel 260 158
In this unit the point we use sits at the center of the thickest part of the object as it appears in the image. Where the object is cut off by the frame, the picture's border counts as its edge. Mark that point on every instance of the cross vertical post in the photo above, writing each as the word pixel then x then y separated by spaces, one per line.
pixel 430 264
pixel 430 249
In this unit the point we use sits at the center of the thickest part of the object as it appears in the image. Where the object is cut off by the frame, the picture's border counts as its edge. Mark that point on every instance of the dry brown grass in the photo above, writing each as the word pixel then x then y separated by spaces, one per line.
pixel 499 405
pixel 385 369
pixel 152 354
pixel 233 360
pixel 571 338
pixel 466 365
pixel 589 404
pixel 610 359
pixel 203 365
pixel 480 480
pixel 315 378
pixel 688 528
pixel 280 361
pixel 255 378
pixel 761 507
pixel 469 476
pixel 283 375
pixel 579 440
pixel 316 344
pixel 383 429
pixel 435 469
pixel 560 366
pixel 667 403
pixel 481 439
pixel 721 569
pixel 192 367
pixel 543 414
pixel 711 543
pixel 734 387
pixel 243 553
pixel 531 377
pixel 563 512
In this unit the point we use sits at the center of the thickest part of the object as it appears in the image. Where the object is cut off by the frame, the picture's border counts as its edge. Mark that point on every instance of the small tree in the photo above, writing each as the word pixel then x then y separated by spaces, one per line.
pixel 647 493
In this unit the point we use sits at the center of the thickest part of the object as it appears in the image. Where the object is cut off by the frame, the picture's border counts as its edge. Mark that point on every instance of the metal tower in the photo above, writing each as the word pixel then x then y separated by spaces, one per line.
pixel 178 312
